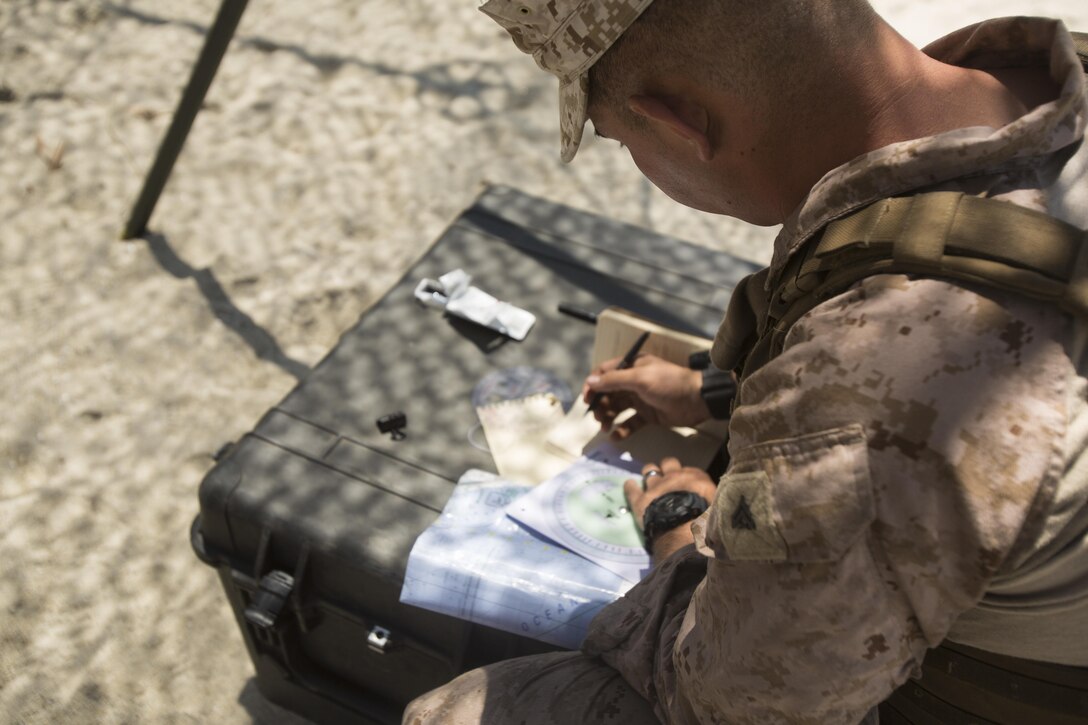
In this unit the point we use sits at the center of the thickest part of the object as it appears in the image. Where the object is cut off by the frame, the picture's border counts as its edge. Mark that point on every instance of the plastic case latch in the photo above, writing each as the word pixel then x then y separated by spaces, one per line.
pixel 271 595
pixel 378 639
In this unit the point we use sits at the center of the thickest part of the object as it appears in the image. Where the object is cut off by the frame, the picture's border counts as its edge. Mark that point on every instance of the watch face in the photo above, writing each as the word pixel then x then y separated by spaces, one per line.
pixel 594 513
pixel 671 510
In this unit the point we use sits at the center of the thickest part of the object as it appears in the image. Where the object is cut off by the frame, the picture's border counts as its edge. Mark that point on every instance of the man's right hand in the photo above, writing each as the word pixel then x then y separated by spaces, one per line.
pixel 659 391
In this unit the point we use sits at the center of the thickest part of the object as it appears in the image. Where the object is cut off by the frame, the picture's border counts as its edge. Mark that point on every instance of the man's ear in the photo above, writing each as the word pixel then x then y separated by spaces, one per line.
pixel 683 118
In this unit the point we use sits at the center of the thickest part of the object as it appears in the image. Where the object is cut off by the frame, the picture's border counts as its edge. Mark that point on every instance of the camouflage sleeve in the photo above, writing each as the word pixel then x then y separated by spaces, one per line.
pixel 883 467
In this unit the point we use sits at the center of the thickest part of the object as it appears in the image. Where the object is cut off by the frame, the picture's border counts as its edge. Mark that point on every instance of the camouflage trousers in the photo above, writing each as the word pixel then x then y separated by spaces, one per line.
pixel 560 688
pixel 634 635
pixel 587 686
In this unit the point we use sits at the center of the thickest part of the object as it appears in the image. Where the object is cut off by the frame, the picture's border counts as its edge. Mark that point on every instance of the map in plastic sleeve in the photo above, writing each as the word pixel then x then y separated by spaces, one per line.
pixel 475 563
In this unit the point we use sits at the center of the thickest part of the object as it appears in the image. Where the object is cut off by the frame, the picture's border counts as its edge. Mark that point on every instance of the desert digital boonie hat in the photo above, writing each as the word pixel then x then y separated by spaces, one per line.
pixel 565 38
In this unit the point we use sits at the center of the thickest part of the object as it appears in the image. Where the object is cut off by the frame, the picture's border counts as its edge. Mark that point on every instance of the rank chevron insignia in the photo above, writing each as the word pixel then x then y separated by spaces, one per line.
pixel 742 516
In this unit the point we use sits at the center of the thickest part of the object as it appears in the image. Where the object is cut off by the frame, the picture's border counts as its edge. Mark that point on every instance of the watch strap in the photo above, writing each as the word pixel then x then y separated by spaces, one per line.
pixel 718 391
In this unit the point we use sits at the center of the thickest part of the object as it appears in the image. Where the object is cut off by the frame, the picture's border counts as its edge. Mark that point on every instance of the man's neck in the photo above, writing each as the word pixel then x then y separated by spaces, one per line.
pixel 892 92
pixel 937 97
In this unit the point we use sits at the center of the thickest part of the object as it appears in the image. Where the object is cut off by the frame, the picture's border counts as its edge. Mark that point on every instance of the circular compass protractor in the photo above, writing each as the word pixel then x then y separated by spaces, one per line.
pixel 595 512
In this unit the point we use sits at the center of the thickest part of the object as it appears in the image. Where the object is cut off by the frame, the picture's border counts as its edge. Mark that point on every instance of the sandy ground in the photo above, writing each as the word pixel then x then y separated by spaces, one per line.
pixel 338 139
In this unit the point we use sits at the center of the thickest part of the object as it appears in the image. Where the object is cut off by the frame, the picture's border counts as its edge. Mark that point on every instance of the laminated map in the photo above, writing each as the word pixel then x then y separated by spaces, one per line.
pixel 476 563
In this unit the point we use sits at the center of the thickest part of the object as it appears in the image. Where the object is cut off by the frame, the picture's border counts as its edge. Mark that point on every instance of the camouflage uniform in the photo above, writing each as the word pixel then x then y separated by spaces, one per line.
pixel 917 446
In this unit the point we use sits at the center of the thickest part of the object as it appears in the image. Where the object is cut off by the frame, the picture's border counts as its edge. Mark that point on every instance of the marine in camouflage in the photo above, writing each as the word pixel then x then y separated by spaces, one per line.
pixel 916 449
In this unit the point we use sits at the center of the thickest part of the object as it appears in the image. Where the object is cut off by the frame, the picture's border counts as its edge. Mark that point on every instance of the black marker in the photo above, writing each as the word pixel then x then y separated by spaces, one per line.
pixel 578 313
pixel 628 361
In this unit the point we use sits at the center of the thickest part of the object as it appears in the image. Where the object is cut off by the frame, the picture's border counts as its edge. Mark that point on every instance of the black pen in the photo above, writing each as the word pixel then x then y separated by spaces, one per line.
pixel 628 361
pixel 578 313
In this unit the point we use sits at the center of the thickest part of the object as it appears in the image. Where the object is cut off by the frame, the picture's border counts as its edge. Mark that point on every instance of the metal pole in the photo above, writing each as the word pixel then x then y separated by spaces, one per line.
pixel 215 46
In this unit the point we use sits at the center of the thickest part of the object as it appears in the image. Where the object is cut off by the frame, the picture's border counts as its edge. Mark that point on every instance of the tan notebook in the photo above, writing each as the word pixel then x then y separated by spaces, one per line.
pixel 617 330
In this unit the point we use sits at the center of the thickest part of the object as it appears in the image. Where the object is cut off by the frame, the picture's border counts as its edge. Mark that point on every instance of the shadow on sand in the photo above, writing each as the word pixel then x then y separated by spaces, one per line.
pixel 262 342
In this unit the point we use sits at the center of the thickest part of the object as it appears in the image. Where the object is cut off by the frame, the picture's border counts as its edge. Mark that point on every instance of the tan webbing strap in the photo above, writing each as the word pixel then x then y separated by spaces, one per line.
pixel 859 228
pixel 948 235
pixel 987 242
pixel 1021 237
pixel 980 228
pixel 1076 292
pixel 925 229
pixel 747 311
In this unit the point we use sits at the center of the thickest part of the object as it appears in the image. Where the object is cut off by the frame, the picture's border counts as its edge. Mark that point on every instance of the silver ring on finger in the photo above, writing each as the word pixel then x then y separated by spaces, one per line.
pixel 648 475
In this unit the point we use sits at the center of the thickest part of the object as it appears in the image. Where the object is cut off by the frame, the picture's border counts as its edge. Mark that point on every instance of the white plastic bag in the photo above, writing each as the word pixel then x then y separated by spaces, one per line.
pixel 454 293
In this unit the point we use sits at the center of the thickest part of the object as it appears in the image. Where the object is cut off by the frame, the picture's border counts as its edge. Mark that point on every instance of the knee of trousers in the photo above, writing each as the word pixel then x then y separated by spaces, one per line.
pixel 562 687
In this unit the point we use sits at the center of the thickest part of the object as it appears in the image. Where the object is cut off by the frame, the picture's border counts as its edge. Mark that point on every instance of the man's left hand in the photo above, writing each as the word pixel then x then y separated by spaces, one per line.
pixel 664 478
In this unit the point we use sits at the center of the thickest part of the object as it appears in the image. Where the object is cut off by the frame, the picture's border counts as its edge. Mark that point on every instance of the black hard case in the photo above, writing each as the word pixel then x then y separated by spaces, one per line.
pixel 322 508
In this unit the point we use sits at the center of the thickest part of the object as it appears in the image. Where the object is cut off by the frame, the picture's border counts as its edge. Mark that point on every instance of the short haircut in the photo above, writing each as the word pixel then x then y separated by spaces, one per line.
pixel 751 48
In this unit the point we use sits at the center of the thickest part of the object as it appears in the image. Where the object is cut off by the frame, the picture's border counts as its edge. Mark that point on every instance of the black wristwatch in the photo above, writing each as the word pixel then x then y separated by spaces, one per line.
pixel 668 511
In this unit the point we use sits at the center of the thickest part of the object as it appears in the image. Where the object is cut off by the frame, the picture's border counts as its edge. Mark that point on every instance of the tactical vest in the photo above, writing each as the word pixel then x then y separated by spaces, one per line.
pixel 947 235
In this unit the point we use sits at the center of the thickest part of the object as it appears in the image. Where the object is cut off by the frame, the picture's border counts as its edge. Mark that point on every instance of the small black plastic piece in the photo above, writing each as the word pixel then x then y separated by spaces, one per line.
pixel 271 595
pixel 394 425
